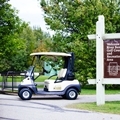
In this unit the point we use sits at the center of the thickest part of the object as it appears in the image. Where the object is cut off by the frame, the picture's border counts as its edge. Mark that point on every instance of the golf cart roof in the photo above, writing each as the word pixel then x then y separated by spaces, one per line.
pixel 50 54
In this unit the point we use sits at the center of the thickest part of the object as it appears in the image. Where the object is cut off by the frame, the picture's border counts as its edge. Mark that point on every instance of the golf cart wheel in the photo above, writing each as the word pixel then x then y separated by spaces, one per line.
pixel 25 94
pixel 71 94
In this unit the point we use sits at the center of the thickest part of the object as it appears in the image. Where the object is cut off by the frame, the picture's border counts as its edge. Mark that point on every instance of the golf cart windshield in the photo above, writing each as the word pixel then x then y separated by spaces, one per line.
pixel 30 71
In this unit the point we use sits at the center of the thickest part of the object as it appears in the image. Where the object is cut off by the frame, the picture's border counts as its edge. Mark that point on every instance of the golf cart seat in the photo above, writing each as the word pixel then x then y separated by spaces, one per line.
pixel 60 76
pixel 49 83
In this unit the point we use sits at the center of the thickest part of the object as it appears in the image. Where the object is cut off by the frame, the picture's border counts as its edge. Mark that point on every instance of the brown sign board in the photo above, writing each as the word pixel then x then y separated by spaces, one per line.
pixel 112 58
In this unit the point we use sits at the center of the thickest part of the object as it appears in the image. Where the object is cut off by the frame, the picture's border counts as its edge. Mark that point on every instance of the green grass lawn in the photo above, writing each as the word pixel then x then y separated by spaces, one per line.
pixel 112 107
pixel 20 78
pixel 93 91
pixel 109 107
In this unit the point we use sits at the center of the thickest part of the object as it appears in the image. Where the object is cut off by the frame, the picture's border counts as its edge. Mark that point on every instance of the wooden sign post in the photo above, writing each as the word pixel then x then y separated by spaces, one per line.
pixel 107 59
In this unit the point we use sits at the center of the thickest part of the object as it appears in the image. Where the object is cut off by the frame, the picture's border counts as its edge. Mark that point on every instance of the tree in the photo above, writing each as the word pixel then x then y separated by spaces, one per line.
pixel 43 40
pixel 10 26
pixel 73 20
pixel 17 39
pixel 35 40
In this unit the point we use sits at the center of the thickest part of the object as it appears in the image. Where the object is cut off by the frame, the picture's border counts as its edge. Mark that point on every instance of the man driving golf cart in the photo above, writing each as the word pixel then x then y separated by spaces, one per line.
pixel 64 85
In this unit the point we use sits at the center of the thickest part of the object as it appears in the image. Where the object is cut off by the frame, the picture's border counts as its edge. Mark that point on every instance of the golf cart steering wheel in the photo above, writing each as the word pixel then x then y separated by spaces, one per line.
pixel 44 70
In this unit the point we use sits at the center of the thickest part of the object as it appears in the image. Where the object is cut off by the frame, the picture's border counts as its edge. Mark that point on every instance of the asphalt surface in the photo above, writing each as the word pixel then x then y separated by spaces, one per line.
pixel 50 108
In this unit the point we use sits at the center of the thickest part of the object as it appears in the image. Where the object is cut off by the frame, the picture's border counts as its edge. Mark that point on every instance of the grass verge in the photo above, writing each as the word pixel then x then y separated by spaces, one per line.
pixel 93 91
pixel 112 107
pixel 109 107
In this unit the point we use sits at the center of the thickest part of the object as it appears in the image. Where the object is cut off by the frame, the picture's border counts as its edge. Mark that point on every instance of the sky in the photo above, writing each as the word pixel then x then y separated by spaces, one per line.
pixel 30 11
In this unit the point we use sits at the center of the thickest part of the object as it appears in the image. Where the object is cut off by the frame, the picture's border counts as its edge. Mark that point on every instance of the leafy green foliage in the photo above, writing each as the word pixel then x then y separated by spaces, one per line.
pixel 42 40
pixel 34 41
pixel 10 26
pixel 85 60
pixel 72 21
pixel 17 39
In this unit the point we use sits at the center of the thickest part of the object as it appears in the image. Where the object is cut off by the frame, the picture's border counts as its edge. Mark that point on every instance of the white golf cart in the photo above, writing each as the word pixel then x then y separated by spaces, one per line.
pixel 64 85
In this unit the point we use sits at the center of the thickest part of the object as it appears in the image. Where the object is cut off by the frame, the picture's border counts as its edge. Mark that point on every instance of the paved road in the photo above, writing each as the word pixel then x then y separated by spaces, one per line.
pixel 50 108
